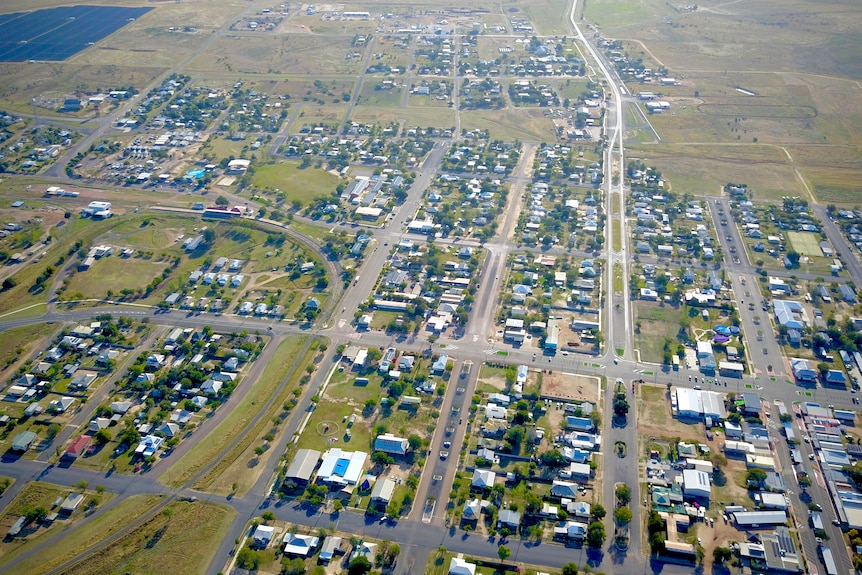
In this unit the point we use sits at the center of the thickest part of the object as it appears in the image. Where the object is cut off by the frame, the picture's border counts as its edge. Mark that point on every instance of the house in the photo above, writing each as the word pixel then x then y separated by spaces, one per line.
pixel 458 566
pixel 61 405
pixel 802 370
pixel 168 429
pixel 72 501
pixel 848 294
pixel 483 479
pixel 564 489
pixel 262 536
pixel 776 552
pixel 570 530
pixel 331 546
pixel 341 468
pixel 77 447
pixel 211 386
pixel 23 441
pixel 751 403
pixel 382 492
pixel 363 549
pixel 149 445
pixel 388 443
pixel 82 380
pixel 835 377
pixel 474 508
pixel 98 423
pixel 121 407
pixel 299 545
pixel 508 519
pixel 439 366
pixel 312 304
pixel 155 361
pixel 302 467
pixel 789 313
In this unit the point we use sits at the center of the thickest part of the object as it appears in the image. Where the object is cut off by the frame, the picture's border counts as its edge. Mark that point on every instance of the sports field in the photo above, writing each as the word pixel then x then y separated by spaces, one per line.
pixel 805 243
pixel 58 33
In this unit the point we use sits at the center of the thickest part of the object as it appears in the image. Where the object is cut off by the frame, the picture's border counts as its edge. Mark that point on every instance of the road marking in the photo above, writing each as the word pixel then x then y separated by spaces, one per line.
pixel 341 323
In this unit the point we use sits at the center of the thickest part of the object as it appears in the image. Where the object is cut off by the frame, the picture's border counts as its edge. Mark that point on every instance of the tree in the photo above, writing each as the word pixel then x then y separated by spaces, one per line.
pixel 268 516
pixel 553 458
pixel 222 201
pixel 503 552
pixel 598 511
pixel 624 494
pixel 623 515
pixel 248 559
pixel 595 534
pixel 570 569
pixel 359 566
pixel 209 235
pixel 102 437
pixel 721 554
pixel 755 477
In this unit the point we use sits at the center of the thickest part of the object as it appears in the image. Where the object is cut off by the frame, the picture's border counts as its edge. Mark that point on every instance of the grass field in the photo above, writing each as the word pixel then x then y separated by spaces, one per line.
pixel 254 395
pixel 40 494
pixel 88 534
pixel 25 339
pixel 657 323
pixel 511 124
pixel 115 274
pixel 441 118
pixel 302 185
pixel 181 539
pixel 805 243
pixel 242 465
pixel 704 169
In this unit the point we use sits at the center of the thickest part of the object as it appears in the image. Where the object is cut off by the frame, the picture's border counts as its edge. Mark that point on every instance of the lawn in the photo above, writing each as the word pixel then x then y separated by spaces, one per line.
pixel 298 184
pixel 183 538
pixel 254 395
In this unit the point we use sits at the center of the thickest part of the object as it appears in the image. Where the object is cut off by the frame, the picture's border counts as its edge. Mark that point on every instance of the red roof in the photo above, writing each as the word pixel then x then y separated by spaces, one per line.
pixel 78 446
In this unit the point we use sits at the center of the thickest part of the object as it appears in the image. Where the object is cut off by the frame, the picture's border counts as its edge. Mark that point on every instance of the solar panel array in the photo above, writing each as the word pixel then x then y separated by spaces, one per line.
pixel 57 33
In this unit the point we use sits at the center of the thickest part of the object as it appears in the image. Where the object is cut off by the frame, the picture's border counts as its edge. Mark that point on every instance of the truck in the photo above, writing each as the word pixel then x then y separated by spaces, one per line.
pixel 828 560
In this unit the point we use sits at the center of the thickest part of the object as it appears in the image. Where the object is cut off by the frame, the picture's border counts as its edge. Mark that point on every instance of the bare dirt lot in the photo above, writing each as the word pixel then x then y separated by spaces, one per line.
pixel 569 387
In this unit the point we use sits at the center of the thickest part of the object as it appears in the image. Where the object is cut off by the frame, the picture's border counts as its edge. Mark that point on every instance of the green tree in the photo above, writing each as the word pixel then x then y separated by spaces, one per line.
pixel 595 534
pixel 359 566
pixel 570 569
pixel 102 437
pixel 247 559
pixel 503 552
pixel 624 494
pixel 755 477
pixel 222 201
pixel 598 511
pixel 721 554
pixel 623 515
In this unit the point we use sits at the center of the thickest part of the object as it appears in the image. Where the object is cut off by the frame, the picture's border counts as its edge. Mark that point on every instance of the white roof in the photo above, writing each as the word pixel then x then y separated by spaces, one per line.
pixel 333 468
pixel 460 567
pixel 695 482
